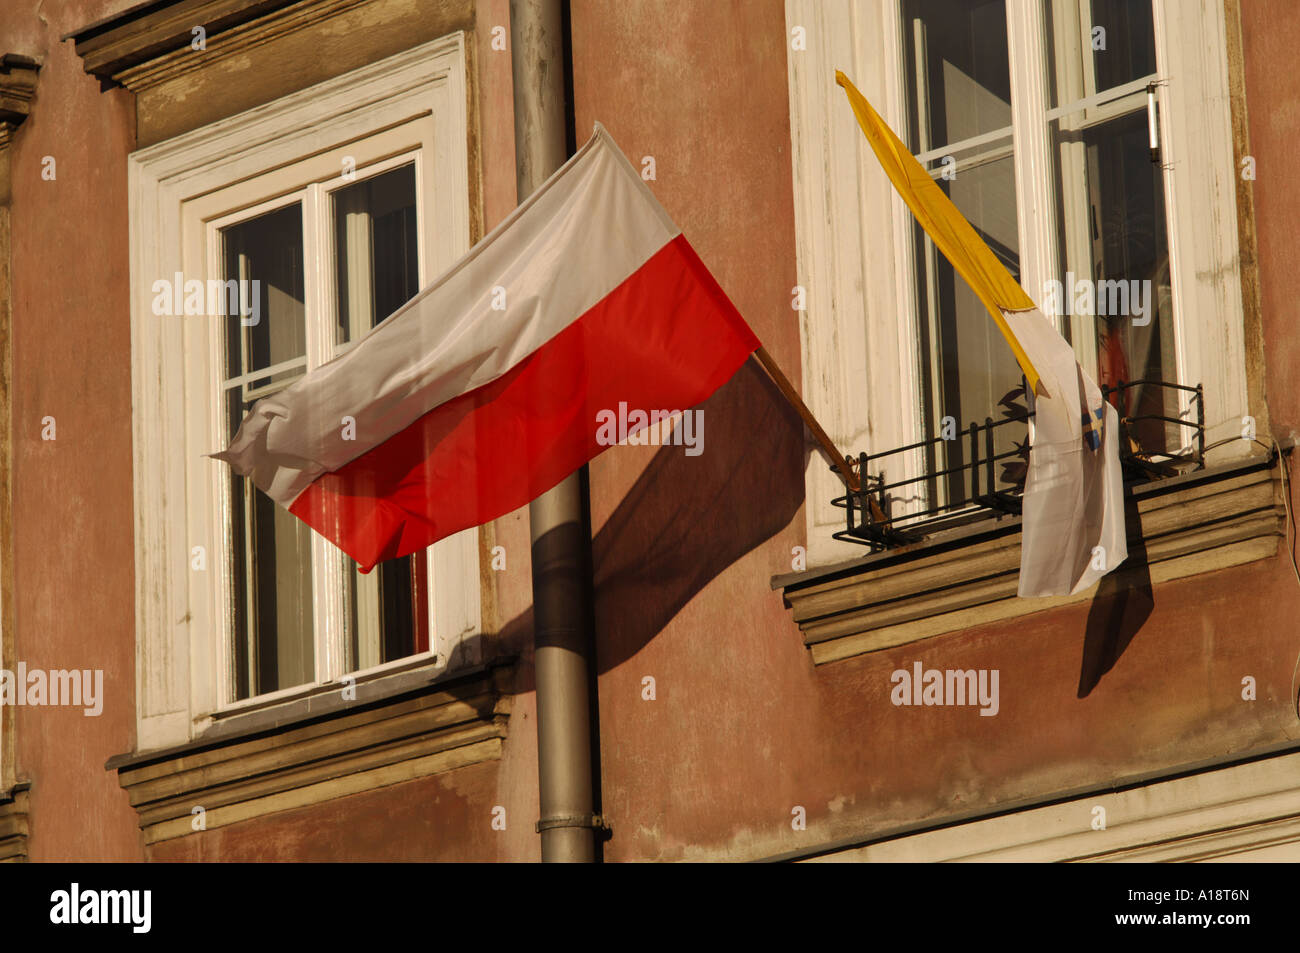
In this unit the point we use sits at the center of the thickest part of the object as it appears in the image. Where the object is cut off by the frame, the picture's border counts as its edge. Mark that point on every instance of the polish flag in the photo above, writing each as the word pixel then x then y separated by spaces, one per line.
pixel 483 391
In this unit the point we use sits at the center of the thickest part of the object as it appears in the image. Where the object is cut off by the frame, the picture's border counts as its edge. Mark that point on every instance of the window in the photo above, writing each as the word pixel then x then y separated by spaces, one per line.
pixel 1098 57
pixel 1111 208
pixel 333 206
pixel 1033 117
pixel 958 83
pixel 366 233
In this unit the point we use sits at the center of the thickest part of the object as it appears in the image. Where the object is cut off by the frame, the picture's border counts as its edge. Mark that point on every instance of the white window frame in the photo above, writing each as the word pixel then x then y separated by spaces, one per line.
pixel 853 232
pixel 181 191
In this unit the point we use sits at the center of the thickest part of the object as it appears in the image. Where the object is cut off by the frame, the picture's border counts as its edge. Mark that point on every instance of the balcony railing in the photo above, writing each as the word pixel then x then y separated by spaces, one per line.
pixel 972 490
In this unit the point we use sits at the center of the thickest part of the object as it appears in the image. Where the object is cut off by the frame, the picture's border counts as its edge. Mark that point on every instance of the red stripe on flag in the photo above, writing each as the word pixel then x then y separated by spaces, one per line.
pixel 664 339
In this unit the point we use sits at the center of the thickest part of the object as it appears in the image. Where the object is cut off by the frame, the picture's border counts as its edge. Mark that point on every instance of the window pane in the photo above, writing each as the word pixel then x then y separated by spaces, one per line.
pixel 958 79
pixel 1098 45
pixel 1115 253
pixel 1123 41
pixel 375 234
pixel 271 565
pixel 272 586
pixel 266 250
pixel 377 271
pixel 388 613
pixel 967 366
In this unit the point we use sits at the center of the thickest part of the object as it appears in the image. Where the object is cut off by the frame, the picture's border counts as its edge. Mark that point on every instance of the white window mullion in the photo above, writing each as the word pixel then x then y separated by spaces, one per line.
pixel 1075 84
pixel 352 206
pixel 326 561
pixel 908 425
pixel 1035 192
pixel 212 601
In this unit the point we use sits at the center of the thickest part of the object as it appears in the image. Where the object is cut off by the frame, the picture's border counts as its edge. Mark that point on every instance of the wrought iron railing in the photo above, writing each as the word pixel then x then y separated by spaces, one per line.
pixel 971 490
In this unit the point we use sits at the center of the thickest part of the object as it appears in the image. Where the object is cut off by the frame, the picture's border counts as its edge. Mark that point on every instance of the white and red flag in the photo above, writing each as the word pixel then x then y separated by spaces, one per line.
pixel 482 392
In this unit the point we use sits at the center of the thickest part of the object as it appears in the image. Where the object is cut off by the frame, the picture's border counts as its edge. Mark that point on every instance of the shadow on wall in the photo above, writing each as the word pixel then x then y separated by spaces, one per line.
pixel 687 519
pixel 1122 605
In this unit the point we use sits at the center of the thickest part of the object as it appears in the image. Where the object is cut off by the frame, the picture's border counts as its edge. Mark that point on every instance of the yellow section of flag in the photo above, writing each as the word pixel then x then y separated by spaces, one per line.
pixel 947 227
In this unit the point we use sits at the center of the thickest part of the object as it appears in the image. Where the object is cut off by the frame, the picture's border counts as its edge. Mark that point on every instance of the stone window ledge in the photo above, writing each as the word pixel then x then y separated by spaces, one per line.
pixel 1206 520
pixel 13 823
pixel 309 751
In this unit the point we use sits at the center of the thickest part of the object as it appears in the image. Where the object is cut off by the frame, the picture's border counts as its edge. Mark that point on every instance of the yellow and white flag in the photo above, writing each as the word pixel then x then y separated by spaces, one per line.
pixel 1073 507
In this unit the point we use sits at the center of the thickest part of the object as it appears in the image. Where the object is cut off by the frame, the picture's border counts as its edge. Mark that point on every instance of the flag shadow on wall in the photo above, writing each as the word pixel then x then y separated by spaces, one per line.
pixel 686 519
pixel 1122 605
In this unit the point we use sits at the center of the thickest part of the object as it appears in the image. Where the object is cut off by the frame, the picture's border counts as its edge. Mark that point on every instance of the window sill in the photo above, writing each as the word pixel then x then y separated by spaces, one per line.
pixel 1207 520
pixel 13 824
pixel 323 697
pixel 308 750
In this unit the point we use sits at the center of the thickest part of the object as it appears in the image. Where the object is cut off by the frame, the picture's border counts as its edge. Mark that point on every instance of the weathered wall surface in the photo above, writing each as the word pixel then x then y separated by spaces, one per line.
pixel 73 557
pixel 447 817
pixel 1270 30
pixel 743 728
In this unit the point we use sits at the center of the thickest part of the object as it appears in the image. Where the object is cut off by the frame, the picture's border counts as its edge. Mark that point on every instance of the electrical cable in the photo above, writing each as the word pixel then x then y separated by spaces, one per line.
pixel 1290 548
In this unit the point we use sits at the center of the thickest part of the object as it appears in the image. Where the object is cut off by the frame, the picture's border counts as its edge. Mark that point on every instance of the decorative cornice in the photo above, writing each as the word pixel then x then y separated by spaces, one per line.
pixel 13 824
pixel 154 29
pixel 1204 521
pixel 17 90
pixel 237 41
pixel 449 724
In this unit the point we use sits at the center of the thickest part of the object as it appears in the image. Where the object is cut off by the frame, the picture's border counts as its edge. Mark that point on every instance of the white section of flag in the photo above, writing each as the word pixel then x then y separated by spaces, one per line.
pixel 1073 508
pixel 548 264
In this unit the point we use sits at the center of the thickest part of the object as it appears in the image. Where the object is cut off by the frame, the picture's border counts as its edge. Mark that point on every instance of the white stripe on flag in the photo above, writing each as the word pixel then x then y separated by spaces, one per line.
pixel 449 339
pixel 1073 526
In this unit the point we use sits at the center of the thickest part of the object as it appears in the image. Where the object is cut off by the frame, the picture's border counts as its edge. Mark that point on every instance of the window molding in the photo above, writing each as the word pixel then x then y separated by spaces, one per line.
pixel 255 51
pixel 415 97
pixel 18 77
pixel 1200 182
pixel 399 728
pixel 852 357
pixel 854 256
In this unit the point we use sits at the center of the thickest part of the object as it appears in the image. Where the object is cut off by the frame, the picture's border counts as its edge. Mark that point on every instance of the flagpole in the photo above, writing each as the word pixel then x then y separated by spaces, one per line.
pixel 825 445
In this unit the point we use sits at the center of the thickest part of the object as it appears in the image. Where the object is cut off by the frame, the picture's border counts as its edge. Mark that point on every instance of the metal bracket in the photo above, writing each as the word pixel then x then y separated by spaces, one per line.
pixel 594 821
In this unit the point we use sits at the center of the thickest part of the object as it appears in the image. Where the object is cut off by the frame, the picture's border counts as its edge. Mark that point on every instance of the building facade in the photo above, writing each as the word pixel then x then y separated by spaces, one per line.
pixel 196 676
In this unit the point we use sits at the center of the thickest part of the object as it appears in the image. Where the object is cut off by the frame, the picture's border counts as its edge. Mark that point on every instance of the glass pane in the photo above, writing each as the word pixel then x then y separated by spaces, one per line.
pixel 375 233
pixel 387 615
pixel 264 255
pixel 377 271
pixel 1116 286
pixel 968 368
pixel 271 565
pixel 1098 45
pixel 1123 41
pixel 957 73
pixel 272 586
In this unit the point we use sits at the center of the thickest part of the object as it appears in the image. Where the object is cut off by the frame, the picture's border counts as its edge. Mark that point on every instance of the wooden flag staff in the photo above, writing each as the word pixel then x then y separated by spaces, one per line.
pixel 824 442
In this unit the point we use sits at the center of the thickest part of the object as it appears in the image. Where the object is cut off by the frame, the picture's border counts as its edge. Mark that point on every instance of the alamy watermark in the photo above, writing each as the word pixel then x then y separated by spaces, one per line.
pixel 1108 298
pixel 653 427
pixel 133 908
pixel 214 298
pixel 935 686
pixel 58 687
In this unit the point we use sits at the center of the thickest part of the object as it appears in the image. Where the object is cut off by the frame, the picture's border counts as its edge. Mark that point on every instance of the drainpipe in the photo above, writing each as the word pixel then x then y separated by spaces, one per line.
pixel 562 638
